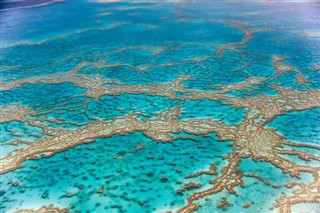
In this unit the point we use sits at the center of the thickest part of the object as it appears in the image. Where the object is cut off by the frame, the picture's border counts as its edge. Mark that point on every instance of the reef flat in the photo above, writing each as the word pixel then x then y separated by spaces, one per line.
pixel 160 106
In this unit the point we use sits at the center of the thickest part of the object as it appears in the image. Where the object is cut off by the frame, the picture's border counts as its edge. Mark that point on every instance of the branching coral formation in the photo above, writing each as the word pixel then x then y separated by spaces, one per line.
pixel 251 138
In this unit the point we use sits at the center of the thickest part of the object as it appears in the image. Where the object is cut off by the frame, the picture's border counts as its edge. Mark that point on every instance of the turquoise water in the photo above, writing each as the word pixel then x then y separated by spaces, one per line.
pixel 138 181
pixel 148 44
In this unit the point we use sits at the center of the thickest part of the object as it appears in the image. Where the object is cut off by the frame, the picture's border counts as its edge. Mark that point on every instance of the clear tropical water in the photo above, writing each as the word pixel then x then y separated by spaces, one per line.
pixel 89 92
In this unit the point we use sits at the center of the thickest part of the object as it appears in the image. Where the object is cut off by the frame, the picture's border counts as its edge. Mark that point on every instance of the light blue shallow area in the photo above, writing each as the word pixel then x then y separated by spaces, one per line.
pixel 299 126
pixel 128 174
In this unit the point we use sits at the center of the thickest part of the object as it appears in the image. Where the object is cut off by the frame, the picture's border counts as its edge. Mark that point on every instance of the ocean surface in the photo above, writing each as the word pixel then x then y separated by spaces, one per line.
pixel 160 106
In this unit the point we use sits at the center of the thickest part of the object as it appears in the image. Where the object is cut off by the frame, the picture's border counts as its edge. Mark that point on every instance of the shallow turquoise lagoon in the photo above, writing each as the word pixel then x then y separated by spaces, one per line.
pixel 205 106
